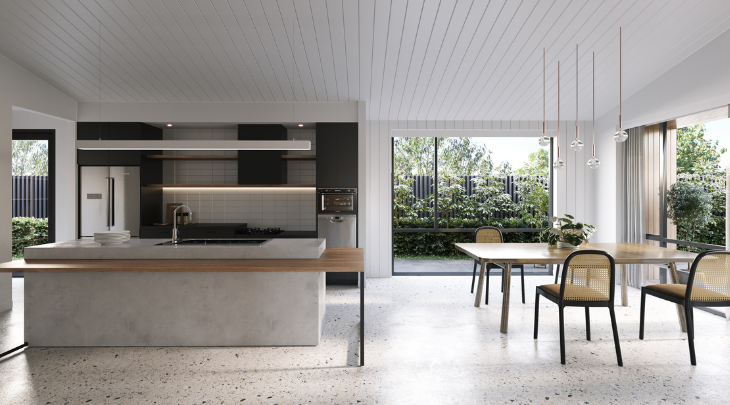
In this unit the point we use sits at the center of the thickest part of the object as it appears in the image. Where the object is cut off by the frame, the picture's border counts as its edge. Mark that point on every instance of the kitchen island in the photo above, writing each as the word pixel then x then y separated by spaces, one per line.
pixel 181 297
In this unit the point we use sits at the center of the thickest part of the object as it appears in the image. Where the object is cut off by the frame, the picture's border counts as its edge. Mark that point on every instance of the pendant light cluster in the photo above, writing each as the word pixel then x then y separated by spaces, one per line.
pixel 577 144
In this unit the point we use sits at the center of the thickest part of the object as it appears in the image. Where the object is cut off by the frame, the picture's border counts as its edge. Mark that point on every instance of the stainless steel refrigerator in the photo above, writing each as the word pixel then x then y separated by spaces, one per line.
pixel 109 199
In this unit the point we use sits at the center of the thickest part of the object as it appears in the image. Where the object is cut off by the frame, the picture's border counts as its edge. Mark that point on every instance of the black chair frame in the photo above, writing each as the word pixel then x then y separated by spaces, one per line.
pixel 562 303
pixel 491 266
pixel 686 303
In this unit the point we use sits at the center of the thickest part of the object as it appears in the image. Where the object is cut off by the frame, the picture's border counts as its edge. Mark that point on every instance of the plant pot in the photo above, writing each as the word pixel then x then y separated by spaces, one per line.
pixel 566 245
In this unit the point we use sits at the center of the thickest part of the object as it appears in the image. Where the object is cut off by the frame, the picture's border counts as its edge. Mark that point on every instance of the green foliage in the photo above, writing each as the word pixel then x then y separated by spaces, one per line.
pixel 463 157
pixel 568 231
pixel 689 206
pixel 451 197
pixel 537 164
pixel 30 158
pixel 489 198
pixel 695 154
pixel 413 156
pixel 28 232
pixel 534 199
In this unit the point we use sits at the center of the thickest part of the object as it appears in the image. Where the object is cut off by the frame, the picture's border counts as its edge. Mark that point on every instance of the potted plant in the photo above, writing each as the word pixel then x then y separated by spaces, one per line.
pixel 567 234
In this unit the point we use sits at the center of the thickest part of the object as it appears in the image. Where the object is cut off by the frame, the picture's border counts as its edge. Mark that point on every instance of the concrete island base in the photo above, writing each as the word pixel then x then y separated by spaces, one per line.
pixel 174 309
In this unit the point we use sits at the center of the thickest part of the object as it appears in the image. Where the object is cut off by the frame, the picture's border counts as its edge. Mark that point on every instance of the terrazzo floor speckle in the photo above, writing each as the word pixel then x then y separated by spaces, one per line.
pixel 425 344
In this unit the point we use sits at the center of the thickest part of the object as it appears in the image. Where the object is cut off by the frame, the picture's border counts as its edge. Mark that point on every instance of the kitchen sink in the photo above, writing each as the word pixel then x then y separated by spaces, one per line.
pixel 217 242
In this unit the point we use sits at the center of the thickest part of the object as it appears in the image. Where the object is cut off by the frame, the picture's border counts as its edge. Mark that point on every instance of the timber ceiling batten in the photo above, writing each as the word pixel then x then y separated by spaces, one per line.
pixel 410 60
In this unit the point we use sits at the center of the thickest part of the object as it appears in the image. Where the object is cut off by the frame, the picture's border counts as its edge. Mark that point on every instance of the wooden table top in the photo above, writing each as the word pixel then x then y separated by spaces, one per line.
pixel 333 260
pixel 539 253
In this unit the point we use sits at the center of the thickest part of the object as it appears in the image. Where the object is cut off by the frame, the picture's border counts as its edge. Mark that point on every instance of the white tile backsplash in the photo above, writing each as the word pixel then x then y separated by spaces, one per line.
pixel 292 209
pixel 289 209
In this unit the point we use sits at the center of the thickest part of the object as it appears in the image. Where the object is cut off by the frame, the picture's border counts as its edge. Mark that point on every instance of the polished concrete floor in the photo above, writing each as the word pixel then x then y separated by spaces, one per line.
pixel 425 344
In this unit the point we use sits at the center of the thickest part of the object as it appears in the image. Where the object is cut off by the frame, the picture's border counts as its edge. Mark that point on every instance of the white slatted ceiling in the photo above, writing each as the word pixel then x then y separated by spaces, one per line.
pixel 469 60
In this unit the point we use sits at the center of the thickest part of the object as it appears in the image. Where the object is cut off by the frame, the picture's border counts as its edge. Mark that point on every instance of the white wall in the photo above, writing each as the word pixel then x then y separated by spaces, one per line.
pixel 20 88
pixel 574 184
pixel 66 192
pixel 698 83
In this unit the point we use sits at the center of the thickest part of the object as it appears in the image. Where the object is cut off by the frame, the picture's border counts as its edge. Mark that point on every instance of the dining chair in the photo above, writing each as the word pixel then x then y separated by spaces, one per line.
pixel 491 234
pixel 588 280
pixel 708 286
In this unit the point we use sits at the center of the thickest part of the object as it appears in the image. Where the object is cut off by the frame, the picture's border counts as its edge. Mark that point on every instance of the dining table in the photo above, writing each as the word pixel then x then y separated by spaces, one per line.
pixel 507 254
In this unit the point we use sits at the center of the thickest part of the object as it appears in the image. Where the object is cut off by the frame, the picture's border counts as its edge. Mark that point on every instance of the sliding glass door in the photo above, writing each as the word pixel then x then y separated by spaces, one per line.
pixel 445 188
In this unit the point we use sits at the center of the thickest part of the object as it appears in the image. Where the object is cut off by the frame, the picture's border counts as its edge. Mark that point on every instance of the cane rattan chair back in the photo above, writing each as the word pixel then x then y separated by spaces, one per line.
pixel 488 234
pixel 709 277
pixel 588 276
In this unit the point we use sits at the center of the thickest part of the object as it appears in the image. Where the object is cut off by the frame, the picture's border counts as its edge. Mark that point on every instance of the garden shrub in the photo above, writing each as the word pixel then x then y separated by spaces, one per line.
pixel 28 232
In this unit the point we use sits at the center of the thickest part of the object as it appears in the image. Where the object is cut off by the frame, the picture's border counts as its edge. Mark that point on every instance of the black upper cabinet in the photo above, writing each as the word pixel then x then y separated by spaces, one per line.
pixel 261 166
pixel 116 131
pixel 337 155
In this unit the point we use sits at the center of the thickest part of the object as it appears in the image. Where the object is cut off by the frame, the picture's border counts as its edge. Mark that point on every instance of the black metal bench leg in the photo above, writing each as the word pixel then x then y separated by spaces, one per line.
pixel 13 350
pixel 537 313
pixel 362 319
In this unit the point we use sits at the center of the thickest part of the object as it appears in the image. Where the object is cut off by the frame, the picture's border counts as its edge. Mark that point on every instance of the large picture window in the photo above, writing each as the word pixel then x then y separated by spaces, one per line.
pixel 445 188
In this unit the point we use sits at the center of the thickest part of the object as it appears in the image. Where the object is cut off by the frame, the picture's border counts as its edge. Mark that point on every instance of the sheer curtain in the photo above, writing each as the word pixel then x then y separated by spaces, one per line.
pixel 634 218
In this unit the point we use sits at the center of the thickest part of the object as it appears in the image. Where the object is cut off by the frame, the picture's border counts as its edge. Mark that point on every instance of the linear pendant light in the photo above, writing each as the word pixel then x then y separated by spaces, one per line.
pixel 620 134
pixel 544 139
pixel 577 144
pixel 193 145
pixel 593 163
pixel 559 164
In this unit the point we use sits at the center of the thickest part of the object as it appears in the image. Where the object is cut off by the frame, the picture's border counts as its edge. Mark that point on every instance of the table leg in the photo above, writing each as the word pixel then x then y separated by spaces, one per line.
pixel 680 310
pixel 480 285
pixel 362 319
pixel 624 287
pixel 505 298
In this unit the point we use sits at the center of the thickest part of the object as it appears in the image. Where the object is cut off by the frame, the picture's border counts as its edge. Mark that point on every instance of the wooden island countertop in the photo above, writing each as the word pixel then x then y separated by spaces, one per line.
pixel 333 260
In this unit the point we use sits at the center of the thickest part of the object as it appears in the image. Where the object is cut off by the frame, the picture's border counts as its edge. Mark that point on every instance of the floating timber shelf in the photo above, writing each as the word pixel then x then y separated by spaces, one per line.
pixel 227 185
pixel 193 157
pixel 299 157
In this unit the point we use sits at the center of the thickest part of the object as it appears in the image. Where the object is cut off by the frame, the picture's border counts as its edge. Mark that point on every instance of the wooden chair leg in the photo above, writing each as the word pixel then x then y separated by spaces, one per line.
pixel 503 271
pixel 474 277
pixel 537 312
pixel 615 336
pixel 522 276
pixel 641 315
pixel 588 324
pixel 557 271
pixel 689 315
pixel 562 335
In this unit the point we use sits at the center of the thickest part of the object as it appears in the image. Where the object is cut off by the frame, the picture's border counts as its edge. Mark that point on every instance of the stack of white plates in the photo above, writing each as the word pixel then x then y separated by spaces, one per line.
pixel 111 237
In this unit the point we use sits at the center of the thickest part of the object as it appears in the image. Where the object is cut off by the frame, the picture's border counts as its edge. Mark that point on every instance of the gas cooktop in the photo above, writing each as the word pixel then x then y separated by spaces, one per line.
pixel 265 231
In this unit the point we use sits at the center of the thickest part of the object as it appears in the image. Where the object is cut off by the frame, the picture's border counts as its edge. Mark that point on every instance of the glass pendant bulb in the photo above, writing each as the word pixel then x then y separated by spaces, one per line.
pixel 544 141
pixel 576 145
pixel 593 163
pixel 620 135
pixel 559 164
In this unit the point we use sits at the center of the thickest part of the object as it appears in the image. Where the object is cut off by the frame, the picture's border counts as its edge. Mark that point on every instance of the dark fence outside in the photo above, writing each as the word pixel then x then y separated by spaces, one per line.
pixel 422 186
pixel 30 196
